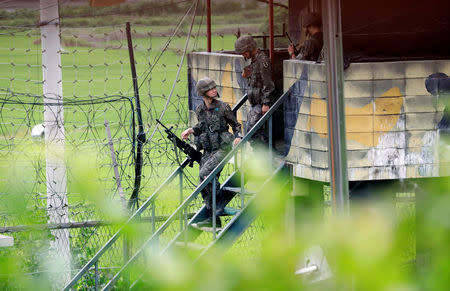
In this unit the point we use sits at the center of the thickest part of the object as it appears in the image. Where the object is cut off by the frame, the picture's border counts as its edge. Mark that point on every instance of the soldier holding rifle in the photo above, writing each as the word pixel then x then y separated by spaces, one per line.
pixel 212 136
pixel 312 47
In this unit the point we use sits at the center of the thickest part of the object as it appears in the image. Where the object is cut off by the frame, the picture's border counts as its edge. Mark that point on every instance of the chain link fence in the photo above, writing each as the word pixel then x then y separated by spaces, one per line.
pixel 97 87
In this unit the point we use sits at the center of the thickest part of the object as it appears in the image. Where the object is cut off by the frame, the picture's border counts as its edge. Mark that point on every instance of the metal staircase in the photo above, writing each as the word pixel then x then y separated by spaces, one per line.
pixel 221 237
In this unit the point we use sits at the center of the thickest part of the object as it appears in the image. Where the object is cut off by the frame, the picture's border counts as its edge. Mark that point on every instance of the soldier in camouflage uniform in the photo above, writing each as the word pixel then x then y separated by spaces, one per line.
pixel 212 136
pixel 312 47
pixel 260 84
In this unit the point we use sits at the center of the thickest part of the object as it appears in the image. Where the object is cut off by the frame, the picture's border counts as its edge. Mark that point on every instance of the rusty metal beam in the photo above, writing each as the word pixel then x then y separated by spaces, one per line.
pixel 271 33
pixel 208 24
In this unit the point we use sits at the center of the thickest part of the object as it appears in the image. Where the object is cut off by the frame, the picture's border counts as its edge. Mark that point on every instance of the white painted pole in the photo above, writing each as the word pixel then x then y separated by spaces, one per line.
pixel 57 204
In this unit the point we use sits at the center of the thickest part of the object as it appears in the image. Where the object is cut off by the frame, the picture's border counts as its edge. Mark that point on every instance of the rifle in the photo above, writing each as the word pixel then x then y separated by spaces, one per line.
pixel 290 40
pixel 193 154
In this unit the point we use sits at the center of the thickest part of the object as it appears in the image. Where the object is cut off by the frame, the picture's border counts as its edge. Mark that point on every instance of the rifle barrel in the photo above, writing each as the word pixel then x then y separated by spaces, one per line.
pixel 290 40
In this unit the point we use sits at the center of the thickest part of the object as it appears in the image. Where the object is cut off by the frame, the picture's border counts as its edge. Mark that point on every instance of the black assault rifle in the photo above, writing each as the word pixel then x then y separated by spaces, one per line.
pixel 294 45
pixel 193 154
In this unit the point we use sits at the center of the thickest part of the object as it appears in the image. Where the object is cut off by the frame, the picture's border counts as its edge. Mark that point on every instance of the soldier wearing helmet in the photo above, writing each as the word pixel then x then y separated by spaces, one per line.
pixel 212 136
pixel 312 47
pixel 260 84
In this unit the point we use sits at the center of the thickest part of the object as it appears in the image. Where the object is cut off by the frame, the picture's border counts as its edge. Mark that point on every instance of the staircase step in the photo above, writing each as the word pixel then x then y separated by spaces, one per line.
pixel 205 228
pixel 230 211
pixel 238 190
pixel 190 245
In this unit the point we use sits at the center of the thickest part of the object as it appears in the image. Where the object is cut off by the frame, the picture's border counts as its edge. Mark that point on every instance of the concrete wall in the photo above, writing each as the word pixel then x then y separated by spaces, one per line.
pixel 391 120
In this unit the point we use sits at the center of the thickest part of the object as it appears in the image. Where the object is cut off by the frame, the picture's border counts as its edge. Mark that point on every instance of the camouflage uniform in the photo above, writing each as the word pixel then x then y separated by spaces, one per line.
pixel 321 57
pixel 260 87
pixel 312 47
pixel 212 136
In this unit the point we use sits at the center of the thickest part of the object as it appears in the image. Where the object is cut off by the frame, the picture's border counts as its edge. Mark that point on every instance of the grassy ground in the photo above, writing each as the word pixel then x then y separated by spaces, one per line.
pixel 95 64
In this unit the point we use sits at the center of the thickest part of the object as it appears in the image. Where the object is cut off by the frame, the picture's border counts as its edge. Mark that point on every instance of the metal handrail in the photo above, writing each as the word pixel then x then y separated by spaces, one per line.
pixel 223 232
pixel 114 238
pixel 206 181
pixel 225 229
pixel 93 261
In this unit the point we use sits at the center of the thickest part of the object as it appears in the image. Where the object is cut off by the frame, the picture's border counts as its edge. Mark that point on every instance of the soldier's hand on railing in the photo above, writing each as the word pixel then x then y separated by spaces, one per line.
pixel 185 134
pixel 236 141
pixel 264 109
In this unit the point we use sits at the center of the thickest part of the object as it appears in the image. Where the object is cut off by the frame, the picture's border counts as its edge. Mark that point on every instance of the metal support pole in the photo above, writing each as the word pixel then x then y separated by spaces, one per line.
pixel 242 178
pixel 271 33
pixel 153 218
pixel 181 199
pixel 185 236
pixel 96 276
pixel 126 255
pixel 336 119
pixel 57 204
pixel 214 206
pixel 270 122
pixel 208 24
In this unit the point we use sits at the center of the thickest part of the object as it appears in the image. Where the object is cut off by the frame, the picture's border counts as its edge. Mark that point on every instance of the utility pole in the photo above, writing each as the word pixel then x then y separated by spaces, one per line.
pixel 57 204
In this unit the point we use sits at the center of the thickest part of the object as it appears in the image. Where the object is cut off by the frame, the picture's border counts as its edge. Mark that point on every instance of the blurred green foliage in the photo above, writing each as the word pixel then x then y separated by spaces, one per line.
pixel 365 249
pixel 374 248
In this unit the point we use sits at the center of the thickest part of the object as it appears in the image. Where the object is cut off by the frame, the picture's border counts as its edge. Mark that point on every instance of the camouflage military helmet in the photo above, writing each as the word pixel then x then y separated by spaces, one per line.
pixel 311 19
pixel 204 85
pixel 244 44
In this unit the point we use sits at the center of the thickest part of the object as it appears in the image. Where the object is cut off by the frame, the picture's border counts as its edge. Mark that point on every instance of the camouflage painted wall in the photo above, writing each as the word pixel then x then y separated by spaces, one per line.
pixel 391 120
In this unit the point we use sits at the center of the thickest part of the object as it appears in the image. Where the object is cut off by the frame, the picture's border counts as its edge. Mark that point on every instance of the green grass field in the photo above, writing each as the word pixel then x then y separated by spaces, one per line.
pixel 95 64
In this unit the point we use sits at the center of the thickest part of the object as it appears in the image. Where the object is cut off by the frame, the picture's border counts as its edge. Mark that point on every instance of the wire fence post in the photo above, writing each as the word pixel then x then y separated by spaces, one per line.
pixel 134 199
pixel 57 204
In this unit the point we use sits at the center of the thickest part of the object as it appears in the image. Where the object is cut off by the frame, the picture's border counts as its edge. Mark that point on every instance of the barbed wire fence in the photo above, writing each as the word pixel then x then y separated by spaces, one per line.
pixel 97 87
